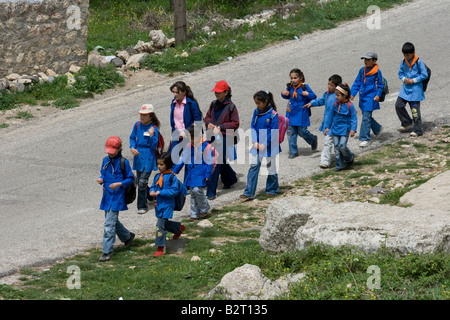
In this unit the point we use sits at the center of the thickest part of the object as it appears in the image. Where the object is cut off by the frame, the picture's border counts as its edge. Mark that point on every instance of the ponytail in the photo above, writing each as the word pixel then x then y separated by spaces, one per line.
pixel 182 86
pixel 265 96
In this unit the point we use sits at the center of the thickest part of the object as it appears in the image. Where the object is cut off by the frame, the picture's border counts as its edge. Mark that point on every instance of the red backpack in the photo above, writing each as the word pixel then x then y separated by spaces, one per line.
pixel 283 125
pixel 160 146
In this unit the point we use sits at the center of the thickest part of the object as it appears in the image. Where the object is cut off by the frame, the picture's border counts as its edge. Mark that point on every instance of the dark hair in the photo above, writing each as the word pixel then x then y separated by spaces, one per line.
pixel 155 119
pixel 265 96
pixel 346 88
pixel 229 93
pixel 192 131
pixel 181 86
pixel 336 79
pixel 408 47
pixel 299 72
pixel 167 159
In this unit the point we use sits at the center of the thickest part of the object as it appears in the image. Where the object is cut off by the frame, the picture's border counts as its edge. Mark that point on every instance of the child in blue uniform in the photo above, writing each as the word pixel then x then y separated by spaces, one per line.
pixel 412 72
pixel 328 99
pixel 165 188
pixel 114 183
pixel 143 143
pixel 341 123
pixel 369 85
pixel 198 158
pixel 298 93
pixel 266 144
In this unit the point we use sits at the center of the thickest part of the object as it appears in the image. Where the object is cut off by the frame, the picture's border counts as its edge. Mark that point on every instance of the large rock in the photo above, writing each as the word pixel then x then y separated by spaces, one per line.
pixel 159 39
pixel 248 283
pixel 294 223
pixel 135 60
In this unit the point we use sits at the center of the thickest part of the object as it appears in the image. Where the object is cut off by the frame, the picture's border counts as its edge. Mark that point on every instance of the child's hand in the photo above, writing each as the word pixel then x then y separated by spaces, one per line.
pixel 100 181
pixel 256 145
pixel 305 93
pixel 325 133
pixel 262 147
pixel 377 99
pixel 151 131
pixel 409 81
pixel 308 105
pixel 154 193
pixel 286 93
pixel 135 152
pixel 352 98
pixel 115 185
pixel 352 133
pixel 211 126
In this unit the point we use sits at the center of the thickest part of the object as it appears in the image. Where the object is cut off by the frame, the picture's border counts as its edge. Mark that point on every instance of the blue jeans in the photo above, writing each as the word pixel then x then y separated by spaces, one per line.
pixel 164 225
pixel 341 151
pixel 111 228
pixel 293 132
pixel 367 123
pixel 253 173
pixel 142 191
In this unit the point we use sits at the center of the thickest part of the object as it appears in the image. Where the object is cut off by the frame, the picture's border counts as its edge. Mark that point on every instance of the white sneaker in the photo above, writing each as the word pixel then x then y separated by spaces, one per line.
pixel 323 165
pixel 142 211
pixel 364 144
pixel 413 134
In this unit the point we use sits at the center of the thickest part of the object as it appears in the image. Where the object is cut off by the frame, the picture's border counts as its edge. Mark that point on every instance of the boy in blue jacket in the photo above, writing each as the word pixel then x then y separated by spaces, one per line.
pixel 298 93
pixel 165 189
pixel 114 183
pixel 198 158
pixel 328 99
pixel 369 85
pixel 412 72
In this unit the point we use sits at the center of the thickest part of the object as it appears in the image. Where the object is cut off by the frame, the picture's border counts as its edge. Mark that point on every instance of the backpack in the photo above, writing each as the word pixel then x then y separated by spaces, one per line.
pixel 385 88
pixel 130 191
pixel 425 82
pixel 160 146
pixel 283 125
pixel 180 198
pixel 215 154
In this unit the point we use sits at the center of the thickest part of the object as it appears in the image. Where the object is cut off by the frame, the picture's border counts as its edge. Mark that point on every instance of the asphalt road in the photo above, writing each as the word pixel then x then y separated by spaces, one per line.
pixel 49 198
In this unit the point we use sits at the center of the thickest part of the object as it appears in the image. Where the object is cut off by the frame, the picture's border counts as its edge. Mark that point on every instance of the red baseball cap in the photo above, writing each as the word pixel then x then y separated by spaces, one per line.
pixel 113 144
pixel 221 86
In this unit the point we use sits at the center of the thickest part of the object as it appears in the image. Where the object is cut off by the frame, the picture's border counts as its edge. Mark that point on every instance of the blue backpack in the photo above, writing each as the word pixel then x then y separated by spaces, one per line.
pixel 180 198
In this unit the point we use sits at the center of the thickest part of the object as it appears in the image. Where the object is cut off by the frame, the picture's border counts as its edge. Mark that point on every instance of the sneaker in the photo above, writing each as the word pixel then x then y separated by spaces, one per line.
pixel 314 143
pixel 270 195
pixel 176 236
pixel 142 211
pixel 404 128
pixel 323 165
pixel 413 134
pixel 379 133
pixel 106 257
pixel 350 163
pixel 364 143
pixel 204 214
pixel 160 251
pixel 292 155
pixel 244 197
pixel 129 242
pixel 211 197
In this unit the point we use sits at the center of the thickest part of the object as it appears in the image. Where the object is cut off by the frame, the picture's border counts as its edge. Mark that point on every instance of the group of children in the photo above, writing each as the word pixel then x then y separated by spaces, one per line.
pixel 189 148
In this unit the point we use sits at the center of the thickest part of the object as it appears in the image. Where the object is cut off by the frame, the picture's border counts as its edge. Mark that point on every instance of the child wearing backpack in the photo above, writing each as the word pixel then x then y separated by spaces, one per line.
pixel 198 159
pixel 266 144
pixel 143 144
pixel 114 182
pixel 165 188
pixel 414 74
pixel 298 93
pixel 328 99
pixel 369 85
pixel 341 123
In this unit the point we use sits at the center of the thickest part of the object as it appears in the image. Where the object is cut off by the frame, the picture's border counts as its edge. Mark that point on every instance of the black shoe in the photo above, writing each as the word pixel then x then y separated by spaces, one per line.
pixel 292 155
pixel 106 257
pixel 130 241
pixel 211 197
pixel 349 164
pixel 314 143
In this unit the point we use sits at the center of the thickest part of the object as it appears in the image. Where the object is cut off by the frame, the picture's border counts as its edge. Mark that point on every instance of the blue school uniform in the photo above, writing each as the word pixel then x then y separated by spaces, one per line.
pixel 327 99
pixel 298 116
pixel 418 72
pixel 342 119
pixel 367 91
pixel 263 124
pixel 198 166
pixel 111 172
pixel 165 201
pixel 146 146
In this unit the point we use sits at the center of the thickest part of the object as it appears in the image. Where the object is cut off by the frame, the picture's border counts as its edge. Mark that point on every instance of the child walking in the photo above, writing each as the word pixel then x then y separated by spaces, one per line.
pixel 328 99
pixel 369 85
pixel 341 123
pixel 265 145
pixel 143 143
pixel 412 72
pixel 198 158
pixel 298 93
pixel 114 183
pixel 165 188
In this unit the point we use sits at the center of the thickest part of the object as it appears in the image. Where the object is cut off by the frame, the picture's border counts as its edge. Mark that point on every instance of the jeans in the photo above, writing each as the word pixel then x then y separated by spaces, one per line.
pixel 228 177
pixel 143 189
pixel 367 123
pixel 293 132
pixel 111 228
pixel 341 151
pixel 406 120
pixel 164 225
pixel 272 186
pixel 325 156
pixel 199 202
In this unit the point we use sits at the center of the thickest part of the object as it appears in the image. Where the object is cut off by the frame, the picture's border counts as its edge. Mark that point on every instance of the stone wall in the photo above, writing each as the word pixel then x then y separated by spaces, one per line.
pixel 36 35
